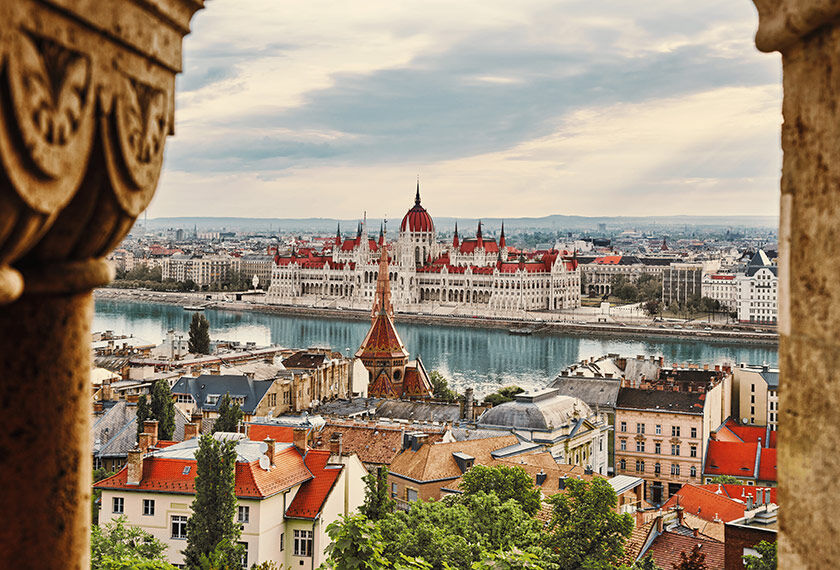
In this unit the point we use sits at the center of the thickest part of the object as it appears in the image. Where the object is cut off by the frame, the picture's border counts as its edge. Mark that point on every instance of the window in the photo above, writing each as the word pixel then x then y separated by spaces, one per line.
pixel 640 466
pixel 752 399
pixel 752 387
pixel 303 543
pixel 411 495
pixel 693 471
pixel 601 444
pixel 657 448
pixel 212 399
pixel 186 470
pixel 658 429
pixel 675 431
pixel 623 426
pixel 623 445
pixel 282 541
pixel 623 464
pixel 179 526
pixel 675 449
pixel 693 451
pixel 640 447
pixel 244 560
pixel 119 505
pixel 272 400
pixel 675 469
pixel 694 432
pixel 149 507
pixel 657 468
pixel 640 428
pixel 184 399
pixel 393 490
pixel 244 514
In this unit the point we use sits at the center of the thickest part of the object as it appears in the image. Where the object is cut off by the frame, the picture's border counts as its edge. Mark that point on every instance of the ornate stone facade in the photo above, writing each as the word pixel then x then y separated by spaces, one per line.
pixel 87 92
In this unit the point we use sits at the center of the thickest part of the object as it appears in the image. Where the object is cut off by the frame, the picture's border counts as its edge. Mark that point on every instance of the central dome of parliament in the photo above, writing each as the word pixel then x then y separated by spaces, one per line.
pixel 417 219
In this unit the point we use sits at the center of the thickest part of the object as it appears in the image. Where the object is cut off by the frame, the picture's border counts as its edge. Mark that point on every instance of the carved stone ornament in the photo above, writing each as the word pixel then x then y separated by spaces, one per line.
pixel 86 103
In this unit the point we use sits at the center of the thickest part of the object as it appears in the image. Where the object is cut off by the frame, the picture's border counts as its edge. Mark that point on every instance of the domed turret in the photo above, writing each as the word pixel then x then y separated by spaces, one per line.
pixel 417 219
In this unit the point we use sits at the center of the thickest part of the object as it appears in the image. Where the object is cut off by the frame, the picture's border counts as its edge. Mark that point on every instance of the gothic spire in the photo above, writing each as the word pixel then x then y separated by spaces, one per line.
pixel 417 196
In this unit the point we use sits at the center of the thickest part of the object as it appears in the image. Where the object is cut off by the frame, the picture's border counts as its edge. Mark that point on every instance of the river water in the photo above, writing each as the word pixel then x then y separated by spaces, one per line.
pixel 483 358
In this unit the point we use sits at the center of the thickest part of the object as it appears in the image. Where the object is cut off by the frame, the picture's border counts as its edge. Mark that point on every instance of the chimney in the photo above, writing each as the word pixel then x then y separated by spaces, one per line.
pixel 190 431
pixel 301 438
pixel 680 513
pixel 705 367
pixel 134 467
pixel 749 502
pixel 767 496
pixel 468 404
pixel 336 444
pixel 196 418
pixel 132 398
pixel 717 367
pixel 713 436
pixel 696 532
pixel 98 407
pixel 144 441
pixel 151 427
pixel 659 523
pixel 270 451
pixel 105 392
pixel 759 497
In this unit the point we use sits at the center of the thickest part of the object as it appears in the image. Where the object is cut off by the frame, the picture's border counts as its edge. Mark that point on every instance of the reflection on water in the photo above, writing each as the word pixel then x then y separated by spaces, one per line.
pixel 483 358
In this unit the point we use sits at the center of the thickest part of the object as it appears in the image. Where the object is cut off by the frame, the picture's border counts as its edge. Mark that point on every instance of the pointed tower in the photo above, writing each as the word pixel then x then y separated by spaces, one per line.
pixel 478 237
pixel 383 352
pixel 455 241
pixel 381 235
pixel 338 235
pixel 503 245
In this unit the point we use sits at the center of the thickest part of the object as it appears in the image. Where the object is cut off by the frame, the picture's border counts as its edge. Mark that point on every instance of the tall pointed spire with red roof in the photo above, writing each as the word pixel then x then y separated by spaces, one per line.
pixel 382 301
pixel 381 235
pixel 478 236
pixel 502 243
pixel 338 234
pixel 455 241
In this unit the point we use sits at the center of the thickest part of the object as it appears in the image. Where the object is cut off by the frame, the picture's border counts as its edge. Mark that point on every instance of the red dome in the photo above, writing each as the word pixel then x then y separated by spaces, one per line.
pixel 417 219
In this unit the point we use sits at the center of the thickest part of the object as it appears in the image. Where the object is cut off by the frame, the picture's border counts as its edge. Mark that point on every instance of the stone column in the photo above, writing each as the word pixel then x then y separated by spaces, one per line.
pixel 86 102
pixel 807 34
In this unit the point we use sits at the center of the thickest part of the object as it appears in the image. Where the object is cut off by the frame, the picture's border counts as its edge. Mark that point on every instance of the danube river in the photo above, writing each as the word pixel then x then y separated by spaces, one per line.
pixel 483 358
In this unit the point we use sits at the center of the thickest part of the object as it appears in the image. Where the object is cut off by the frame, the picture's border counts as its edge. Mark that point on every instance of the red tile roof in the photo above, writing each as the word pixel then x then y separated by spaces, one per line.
pixel 607 260
pixel 767 465
pixel 749 433
pixel 706 503
pixel 258 432
pixel 731 458
pixel 666 549
pixel 310 498
pixel 164 475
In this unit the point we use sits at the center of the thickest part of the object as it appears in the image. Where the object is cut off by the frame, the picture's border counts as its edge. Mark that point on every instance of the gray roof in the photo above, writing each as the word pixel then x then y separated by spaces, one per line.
pixel 760 261
pixel 621 483
pixel 205 385
pixel 428 411
pixel 545 410
pixel 349 408
pixel 594 391
pixel 772 378
pixel 114 433
pixel 661 400
pixel 470 434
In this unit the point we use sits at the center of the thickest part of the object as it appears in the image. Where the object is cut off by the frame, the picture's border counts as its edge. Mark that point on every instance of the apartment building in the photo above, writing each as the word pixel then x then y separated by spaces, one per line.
pixel 758 291
pixel 755 396
pixel 287 493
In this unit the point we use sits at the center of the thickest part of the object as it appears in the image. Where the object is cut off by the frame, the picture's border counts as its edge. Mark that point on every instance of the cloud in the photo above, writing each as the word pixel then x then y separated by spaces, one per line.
pixel 282 98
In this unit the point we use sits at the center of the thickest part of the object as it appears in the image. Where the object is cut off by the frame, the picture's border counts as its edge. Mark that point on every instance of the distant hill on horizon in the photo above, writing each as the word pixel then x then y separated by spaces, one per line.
pixel 467 226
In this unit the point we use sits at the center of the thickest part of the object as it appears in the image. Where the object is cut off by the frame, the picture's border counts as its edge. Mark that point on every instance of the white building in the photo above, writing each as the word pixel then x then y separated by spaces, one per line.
pixel 475 272
pixel 201 270
pixel 722 287
pixel 758 291
pixel 287 496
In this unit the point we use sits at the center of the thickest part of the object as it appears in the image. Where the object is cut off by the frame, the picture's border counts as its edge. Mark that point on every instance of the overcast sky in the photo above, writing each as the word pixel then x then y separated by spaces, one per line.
pixel 505 109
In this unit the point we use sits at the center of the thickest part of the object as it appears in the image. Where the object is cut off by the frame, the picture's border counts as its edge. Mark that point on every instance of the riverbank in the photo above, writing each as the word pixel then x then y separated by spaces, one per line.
pixel 519 326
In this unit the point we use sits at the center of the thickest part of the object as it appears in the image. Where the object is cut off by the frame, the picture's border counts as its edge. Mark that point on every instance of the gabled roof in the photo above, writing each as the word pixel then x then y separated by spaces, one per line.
pixel 115 432
pixel 416 382
pixel 253 391
pixel 593 391
pixel 310 498
pixel 373 444
pixel 435 461
pixel 738 459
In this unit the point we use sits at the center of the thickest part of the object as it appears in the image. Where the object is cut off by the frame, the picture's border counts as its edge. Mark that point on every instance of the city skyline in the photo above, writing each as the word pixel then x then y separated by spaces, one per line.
pixel 503 111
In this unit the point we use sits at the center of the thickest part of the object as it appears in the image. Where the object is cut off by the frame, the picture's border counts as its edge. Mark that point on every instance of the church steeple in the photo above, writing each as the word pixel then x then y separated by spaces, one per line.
pixel 502 243
pixel 338 234
pixel 417 196
pixel 455 241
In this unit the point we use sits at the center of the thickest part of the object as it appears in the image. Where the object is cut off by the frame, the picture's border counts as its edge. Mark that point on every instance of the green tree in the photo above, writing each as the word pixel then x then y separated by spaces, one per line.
pixel 378 501
pixel 766 559
pixel 162 409
pixel 695 560
pixel 211 526
pixel 120 545
pixel 230 414
pixel 356 544
pixel 143 414
pixel 726 480
pixel 646 563
pixel 199 342
pixel 506 482
pixel 585 532
pixel 459 532
pixel 505 394
pixel 440 386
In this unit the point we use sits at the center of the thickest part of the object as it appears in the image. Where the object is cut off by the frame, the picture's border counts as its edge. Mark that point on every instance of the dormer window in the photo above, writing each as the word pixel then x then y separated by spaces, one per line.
pixel 212 399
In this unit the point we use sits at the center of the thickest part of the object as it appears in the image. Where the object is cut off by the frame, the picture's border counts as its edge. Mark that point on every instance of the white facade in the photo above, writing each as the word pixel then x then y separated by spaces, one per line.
pixel 758 296
pixel 721 287
pixel 201 270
